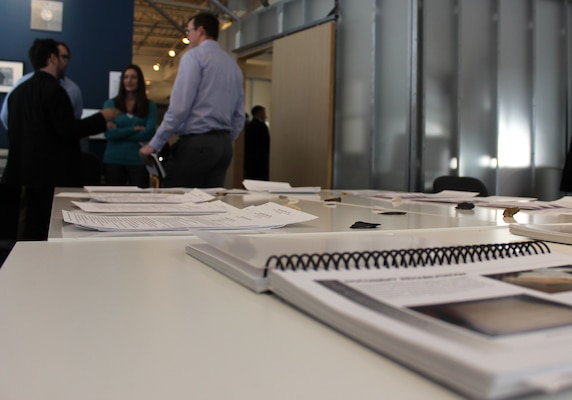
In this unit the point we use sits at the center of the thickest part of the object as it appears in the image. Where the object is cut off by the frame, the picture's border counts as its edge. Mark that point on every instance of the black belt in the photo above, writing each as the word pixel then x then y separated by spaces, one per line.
pixel 211 132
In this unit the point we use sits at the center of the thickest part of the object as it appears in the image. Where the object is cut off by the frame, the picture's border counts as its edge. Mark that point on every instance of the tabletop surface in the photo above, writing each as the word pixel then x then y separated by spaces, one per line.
pixel 332 216
pixel 137 318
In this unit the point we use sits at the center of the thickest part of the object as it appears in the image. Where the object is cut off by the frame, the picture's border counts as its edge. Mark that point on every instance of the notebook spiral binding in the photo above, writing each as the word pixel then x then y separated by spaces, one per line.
pixel 404 258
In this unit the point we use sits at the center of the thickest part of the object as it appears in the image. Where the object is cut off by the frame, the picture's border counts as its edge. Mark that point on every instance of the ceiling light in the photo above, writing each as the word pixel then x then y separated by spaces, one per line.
pixel 156 67
pixel 185 40
pixel 172 53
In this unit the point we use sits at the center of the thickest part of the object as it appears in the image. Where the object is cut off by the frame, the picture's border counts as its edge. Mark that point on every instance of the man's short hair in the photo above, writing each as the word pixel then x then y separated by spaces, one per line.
pixel 209 23
pixel 256 109
pixel 41 51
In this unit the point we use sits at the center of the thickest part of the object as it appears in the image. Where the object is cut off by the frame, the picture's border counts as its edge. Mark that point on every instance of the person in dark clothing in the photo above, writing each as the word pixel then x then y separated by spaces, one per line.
pixel 44 150
pixel 257 146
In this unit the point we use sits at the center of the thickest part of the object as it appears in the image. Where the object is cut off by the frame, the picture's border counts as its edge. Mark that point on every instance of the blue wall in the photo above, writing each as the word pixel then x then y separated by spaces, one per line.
pixel 99 34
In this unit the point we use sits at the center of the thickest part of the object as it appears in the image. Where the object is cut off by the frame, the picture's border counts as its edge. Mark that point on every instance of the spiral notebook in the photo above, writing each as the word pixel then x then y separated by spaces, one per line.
pixel 244 258
pixel 247 259
pixel 489 320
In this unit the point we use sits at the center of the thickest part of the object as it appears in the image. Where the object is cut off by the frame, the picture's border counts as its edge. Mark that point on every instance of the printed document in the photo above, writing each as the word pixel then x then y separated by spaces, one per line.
pixel 212 207
pixel 266 216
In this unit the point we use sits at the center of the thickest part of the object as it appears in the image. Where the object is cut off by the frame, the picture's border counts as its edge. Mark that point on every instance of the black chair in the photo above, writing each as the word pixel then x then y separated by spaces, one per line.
pixel 463 183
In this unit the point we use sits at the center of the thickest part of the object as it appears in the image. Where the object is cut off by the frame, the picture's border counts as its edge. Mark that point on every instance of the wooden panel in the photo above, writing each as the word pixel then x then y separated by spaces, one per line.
pixel 302 107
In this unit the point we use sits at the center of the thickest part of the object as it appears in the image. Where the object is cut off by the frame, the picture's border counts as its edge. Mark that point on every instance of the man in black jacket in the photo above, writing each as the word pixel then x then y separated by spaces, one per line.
pixel 44 150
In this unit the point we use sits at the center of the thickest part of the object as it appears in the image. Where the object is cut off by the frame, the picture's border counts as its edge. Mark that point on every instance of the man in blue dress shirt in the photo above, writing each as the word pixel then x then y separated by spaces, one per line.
pixel 206 110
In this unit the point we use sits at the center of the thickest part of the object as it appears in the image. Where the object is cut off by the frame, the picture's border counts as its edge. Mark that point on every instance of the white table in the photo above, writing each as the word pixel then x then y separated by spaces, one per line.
pixel 142 320
pixel 139 319
pixel 136 318
pixel 332 217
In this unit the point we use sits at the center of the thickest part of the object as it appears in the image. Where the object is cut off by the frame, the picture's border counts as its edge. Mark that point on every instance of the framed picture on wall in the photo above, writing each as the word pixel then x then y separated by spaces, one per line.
pixel 46 15
pixel 10 72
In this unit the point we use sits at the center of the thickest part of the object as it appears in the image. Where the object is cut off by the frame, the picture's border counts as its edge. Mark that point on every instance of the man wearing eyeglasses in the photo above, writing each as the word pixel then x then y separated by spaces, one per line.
pixel 73 90
pixel 206 110
pixel 70 86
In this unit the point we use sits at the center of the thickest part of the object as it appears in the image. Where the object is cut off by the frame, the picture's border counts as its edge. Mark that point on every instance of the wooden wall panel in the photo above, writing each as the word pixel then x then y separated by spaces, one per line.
pixel 302 107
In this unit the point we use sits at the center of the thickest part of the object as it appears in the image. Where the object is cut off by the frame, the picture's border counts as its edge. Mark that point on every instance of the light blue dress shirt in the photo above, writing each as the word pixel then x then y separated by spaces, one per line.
pixel 70 86
pixel 207 94
pixel 74 92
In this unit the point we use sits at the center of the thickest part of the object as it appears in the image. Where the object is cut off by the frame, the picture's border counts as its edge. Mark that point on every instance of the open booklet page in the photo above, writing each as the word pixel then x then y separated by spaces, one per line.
pixel 488 329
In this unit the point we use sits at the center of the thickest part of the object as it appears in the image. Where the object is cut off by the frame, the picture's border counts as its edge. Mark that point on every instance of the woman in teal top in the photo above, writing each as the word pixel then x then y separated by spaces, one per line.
pixel 122 164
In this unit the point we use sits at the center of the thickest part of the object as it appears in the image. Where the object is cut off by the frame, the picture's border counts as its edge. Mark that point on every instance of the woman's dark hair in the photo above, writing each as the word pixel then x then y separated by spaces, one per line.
pixel 141 108
pixel 41 51
pixel 209 23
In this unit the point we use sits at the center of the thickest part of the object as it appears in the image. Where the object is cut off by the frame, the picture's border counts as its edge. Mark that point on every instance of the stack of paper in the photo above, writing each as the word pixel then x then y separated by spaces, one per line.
pixel 212 207
pixel 445 196
pixel 195 196
pixel 266 216
pixel 277 187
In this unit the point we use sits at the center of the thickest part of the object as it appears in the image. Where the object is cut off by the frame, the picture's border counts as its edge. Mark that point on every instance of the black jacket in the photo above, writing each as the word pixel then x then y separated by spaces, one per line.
pixel 43 135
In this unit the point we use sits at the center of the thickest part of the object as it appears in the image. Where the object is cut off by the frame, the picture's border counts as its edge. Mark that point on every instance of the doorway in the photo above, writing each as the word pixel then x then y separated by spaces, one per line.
pixel 299 105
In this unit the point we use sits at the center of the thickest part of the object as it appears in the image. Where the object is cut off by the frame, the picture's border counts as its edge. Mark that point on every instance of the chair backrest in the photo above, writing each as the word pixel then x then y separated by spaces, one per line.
pixel 463 183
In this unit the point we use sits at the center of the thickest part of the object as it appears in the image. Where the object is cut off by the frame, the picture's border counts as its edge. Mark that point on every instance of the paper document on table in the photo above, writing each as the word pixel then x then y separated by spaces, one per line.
pixel 113 189
pixel 212 207
pixel 194 196
pixel 398 195
pixel 73 195
pixel 449 196
pixel 444 196
pixel 516 199
pixel 561 204
pixel 266 216
pixel 277 187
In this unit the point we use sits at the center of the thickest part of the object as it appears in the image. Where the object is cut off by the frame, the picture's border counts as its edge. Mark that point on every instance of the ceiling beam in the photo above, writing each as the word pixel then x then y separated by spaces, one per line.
pixel 142 41
pixel 182 5
pixel 144 25
pixel 166 16
pixel 225 9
